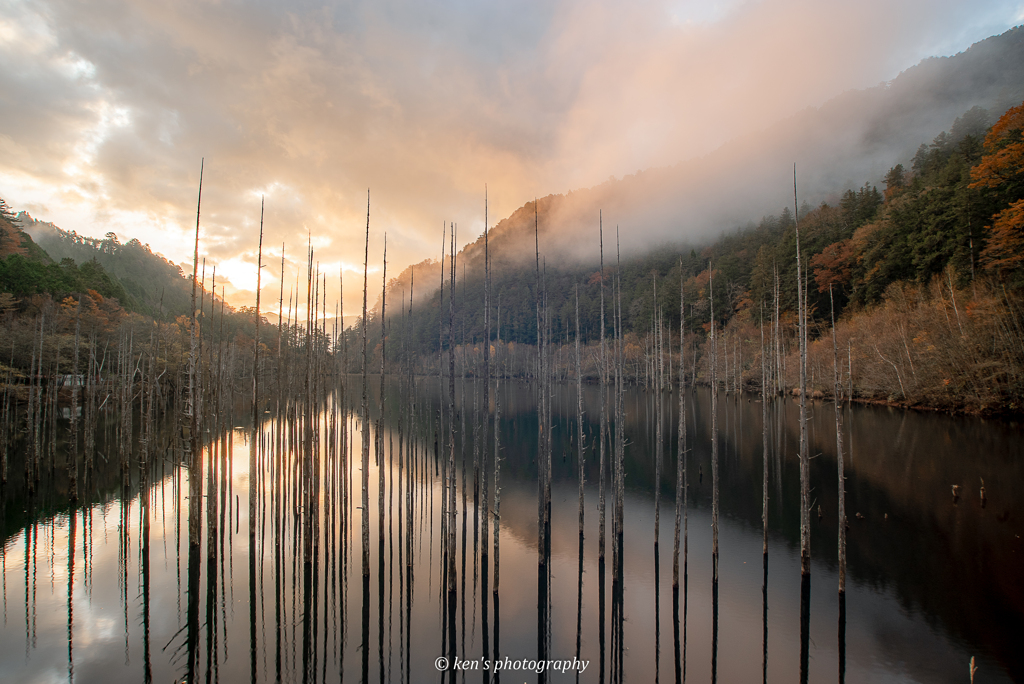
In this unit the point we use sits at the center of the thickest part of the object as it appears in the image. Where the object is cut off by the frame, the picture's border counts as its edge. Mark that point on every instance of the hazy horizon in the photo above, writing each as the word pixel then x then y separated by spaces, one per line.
pixel 111 106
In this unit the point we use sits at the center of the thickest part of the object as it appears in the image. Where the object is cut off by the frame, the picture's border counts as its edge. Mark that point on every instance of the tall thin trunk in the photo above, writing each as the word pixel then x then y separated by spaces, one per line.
pixel 73 442
pixel 805 463
pixel 365 413
pixel 764 440
pixel 195 457
pixel 714 429
pixel 486 404
pixel 90 405
pixel 542 428
pixel 280 327
pixel 837 397
pixel 380 399
pixel 603 430
pixel 682 493
pixel 33 443
pixel 780 380
pixel 579 413
pixel 255 384
pixel 451 483
pixel 497 477
pixel 681 484
pixel 659 371
pixel 193 407
pixel 5 427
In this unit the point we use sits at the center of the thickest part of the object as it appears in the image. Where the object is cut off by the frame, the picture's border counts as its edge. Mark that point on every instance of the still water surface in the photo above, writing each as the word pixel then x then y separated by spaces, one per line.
pixel 101 592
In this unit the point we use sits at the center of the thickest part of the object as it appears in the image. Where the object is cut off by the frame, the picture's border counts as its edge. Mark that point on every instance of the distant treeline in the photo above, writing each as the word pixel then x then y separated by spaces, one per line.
pixel 945 235
pixel 938 253
pixel 152 285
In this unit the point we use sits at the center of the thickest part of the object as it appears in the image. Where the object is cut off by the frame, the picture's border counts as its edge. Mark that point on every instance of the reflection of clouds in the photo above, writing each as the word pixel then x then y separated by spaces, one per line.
pixel 886 641
pixel 111 105
pixel 95 629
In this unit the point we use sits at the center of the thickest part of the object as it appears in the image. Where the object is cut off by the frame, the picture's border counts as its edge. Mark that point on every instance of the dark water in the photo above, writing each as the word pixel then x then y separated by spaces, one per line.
pixel 101 592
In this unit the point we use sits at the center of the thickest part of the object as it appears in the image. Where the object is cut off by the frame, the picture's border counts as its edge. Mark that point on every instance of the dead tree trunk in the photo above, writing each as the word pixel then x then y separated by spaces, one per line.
pixel 837 397
pixel 365 478
pixel 805 463
pixel 714 430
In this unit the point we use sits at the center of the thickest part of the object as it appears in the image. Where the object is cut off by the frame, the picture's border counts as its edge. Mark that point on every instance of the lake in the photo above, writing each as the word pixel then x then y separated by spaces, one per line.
pixel 111 591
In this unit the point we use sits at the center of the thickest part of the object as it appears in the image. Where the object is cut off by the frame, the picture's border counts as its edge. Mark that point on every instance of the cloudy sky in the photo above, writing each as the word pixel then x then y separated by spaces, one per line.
pixel 108 106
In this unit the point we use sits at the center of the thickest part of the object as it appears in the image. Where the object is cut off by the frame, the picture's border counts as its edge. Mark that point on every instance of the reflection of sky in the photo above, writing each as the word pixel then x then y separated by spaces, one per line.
pixel 886 640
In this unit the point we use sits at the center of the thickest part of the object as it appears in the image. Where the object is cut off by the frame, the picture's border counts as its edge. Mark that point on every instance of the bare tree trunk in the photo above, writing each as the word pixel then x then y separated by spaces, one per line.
pixel 849 353
pixel 542 428
pixel 73 442
pixel 805 463
pixel 681 484
pixel 579 458
pixel 366 414
pixel 450 482
pixel 380 399
pixel 195 457
pixel 714 430
pixel 497 478
pixel 439 434
pixel 33 444
pixel 579 412
pixel 255 385
pixel 764 439
pixel 195 476
pixel 5 428
pixel 90 406
pixel 604 412
pixel 837 394
pixel 780 380
pixel 486 402
pixel 658 381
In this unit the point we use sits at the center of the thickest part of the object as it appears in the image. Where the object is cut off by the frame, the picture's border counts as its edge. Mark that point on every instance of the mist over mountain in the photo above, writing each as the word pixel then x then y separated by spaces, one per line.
pixel 850 140
pixel 152 283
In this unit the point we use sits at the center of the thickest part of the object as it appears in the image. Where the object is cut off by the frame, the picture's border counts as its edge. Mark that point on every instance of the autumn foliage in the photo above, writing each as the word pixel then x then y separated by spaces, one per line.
pixel 1004 152
pixel 1002 170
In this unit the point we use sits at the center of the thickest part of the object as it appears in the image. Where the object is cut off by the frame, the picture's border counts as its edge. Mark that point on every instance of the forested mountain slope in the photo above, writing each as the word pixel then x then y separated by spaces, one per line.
pixel 850 140
pixel 153 283
pixel 925 276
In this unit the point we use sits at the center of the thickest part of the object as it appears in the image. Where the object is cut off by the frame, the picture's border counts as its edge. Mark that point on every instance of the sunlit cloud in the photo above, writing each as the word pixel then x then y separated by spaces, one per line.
pixel 110 106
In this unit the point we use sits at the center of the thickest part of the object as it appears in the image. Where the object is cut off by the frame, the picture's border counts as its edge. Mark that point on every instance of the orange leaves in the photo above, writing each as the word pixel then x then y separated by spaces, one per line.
pixel 1004 163
pixel 1005 248
pixel 1012 120
pixel 699 283
pixel 1004 151
pixel 834 265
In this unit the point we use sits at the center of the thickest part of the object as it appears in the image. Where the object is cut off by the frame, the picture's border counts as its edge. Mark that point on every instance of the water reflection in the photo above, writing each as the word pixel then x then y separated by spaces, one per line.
pixel 112 586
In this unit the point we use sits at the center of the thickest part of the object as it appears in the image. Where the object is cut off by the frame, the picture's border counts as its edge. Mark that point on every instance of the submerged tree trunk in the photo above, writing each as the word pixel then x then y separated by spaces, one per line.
pixel 365 475
pixel 837 400
pixel 805 463
pixel 195 478
pixel 714 431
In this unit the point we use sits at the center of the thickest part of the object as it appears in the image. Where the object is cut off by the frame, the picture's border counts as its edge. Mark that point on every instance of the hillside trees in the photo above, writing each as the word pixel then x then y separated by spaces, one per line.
pixel 1001 173
pixel 10 236
pixel 956 218
pixel 152 283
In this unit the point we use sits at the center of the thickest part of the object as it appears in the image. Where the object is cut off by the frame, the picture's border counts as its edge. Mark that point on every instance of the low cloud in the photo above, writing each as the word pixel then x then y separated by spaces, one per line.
pixel 110 105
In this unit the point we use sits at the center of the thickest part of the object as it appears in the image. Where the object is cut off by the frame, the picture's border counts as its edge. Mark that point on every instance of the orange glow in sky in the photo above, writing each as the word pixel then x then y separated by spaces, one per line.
pixel 110 105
